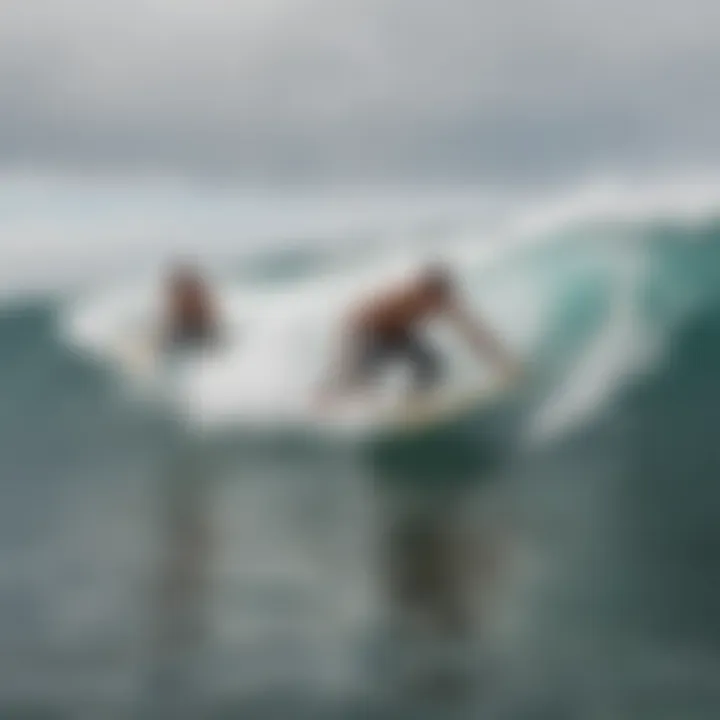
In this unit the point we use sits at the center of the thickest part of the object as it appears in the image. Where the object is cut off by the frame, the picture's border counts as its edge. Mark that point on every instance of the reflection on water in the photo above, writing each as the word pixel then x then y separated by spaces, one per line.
pixel 437 578
pixel 441 560
pixel 179 604
pixel 365 575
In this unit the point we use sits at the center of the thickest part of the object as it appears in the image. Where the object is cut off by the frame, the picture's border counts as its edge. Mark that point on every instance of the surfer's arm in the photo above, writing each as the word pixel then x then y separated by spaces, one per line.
pixel 335 378
pixel 485 342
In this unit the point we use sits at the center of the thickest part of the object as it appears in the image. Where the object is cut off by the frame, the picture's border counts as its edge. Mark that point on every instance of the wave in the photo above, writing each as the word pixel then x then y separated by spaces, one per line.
pixel 575 286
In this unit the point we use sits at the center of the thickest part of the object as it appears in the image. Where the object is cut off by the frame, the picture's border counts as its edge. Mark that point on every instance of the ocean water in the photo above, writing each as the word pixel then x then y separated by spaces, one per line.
pixel 554 558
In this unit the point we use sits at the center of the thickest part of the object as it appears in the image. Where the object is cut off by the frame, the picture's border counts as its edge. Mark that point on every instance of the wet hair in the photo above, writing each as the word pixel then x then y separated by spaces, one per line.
pixel 438 279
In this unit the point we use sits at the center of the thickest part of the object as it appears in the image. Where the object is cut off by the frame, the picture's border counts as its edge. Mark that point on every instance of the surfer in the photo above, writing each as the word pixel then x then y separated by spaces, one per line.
pixel 191 314
pixel 386 327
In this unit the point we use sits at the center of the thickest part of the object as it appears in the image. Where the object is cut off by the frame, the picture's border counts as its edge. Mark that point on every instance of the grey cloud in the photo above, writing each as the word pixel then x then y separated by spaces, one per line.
pixel 357 88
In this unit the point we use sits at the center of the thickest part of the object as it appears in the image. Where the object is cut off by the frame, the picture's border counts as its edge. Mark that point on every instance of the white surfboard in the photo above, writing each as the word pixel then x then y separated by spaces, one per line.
pixel 415 414
pixel 442 407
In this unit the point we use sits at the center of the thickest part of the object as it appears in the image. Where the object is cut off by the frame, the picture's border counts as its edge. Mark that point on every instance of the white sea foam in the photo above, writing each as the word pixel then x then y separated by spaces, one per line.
pixel 285 333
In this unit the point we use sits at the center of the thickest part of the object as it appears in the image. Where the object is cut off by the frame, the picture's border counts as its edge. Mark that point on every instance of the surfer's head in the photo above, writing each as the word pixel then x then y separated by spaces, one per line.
pixel 437 282
pixel 184 278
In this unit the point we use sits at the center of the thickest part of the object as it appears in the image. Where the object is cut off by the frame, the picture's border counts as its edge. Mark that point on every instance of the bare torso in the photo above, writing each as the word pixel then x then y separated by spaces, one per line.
pixel 395 312
pixel 191 311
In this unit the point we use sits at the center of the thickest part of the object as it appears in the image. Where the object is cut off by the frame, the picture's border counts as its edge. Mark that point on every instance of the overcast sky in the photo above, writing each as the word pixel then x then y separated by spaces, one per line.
pixel 312 90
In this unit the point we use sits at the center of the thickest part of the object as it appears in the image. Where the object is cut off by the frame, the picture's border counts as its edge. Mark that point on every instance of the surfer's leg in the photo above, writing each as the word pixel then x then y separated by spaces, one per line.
pixel 368 355
pixel 426 362
pixel 190 339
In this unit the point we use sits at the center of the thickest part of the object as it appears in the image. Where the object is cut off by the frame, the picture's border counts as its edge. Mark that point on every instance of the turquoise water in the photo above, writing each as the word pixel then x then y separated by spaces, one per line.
pixel 555 558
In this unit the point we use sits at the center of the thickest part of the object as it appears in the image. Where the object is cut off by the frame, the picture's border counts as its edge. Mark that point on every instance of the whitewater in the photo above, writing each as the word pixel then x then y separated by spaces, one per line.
pixel 558 560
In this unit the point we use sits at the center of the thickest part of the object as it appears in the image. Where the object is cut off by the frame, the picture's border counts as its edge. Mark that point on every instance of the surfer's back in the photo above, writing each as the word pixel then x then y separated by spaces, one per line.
pixel 396 310
pixel 191 313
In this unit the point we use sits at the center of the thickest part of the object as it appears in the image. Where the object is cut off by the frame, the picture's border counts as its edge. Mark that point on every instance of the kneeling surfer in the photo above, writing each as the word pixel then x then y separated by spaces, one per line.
pixel 191 320
pixel 386 327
